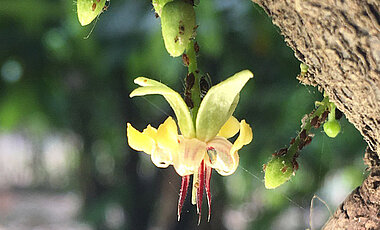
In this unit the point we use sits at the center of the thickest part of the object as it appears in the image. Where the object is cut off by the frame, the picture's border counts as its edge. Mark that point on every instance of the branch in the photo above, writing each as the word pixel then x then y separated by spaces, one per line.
pixel 340 42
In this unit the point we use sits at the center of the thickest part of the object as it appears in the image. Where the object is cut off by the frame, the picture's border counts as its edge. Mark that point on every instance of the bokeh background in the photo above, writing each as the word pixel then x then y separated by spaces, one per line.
pixel 64 161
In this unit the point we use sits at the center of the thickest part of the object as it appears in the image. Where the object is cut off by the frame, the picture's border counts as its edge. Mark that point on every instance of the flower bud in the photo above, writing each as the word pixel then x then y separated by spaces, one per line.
pixel 278 170
pixel 304 68
pixel 88 10
pixel 178 23
pixel 159 4
pixel 331 128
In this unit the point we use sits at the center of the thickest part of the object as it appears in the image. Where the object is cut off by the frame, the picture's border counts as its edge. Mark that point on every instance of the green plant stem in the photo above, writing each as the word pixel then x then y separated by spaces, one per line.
pixel 323 106
pixel 193 68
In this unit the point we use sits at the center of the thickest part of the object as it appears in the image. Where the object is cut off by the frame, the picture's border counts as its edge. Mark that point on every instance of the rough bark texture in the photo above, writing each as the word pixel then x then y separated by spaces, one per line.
pixel 340 42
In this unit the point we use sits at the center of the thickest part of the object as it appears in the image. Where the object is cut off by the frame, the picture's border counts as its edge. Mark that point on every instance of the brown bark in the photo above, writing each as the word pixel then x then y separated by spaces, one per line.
pixel 340 42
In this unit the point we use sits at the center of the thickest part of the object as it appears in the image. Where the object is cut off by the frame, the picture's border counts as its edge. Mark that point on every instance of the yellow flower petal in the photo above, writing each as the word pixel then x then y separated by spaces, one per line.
pixel 230 128
pixel 141 141
pixel 167 135
pixel 244 138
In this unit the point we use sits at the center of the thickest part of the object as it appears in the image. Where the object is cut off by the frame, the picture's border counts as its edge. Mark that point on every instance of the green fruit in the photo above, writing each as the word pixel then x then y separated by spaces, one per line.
pixel 278 171
pixel 332 128
pixel 88 10
pixel 178 23
pixel 159 4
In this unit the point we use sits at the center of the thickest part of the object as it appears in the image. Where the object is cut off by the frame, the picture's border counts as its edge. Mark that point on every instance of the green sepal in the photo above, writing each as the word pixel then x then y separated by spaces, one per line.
pixel 175 100
pixel 158 5
pixel 277 171
pixel 87 12
pixel 219 104
pixel 178 24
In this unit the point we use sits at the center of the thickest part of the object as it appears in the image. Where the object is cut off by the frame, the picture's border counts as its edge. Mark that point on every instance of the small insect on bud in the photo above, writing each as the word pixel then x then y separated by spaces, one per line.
pixel 292 141
pixel 282 151
pixel 264 167
pixel 303 134
pixel 295 165
pixel 314 121
pixel 189 83
pixel 196 47
pixel 185 60
pixel 324 116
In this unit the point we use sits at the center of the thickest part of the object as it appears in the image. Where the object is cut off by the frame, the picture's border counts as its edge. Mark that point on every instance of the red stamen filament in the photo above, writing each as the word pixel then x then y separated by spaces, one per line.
pixel 182 194
pixel 201 178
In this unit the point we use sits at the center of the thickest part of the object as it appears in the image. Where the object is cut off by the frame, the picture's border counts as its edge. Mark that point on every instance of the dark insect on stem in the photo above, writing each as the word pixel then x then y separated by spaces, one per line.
pixel 186 60
pixel 314 121
pixel 196 47
pixel 283 170
pixel 292 141
pixel 303 134
pixel 295 165
pixel 324 116
pixel 308 140
pixel 156 15
pixel 176 39
pixel 189 83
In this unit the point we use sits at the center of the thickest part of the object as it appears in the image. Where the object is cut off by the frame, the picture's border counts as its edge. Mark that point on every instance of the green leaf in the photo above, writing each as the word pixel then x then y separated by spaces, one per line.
pixel 88 10
pixel 175 100
pixel 219 104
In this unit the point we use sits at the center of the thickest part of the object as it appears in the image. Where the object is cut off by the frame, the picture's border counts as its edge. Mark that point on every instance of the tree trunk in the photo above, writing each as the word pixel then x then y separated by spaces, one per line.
pixel 340 42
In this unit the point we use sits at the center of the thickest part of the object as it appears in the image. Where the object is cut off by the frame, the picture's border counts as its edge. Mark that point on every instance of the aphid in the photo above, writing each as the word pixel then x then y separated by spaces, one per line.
pixel 303 134
pixel 189 102
pixel 156 15
pixel 295 165
pixel 324 115
pixel 196 47
pixel 264 167
pixel 186 60
pixel 314 121
pixel 190 79
pixel 307 140
pixel 189 83
pixel 93 6
pixel 181 28
pixel 292 141
pixel 283 170
pixel 176 39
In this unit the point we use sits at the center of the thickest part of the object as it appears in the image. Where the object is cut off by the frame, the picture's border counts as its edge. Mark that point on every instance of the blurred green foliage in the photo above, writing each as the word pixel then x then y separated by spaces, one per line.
pixel 58 82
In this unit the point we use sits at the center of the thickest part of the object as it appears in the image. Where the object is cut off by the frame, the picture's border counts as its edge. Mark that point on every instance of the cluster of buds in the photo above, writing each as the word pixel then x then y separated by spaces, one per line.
pixel 283 163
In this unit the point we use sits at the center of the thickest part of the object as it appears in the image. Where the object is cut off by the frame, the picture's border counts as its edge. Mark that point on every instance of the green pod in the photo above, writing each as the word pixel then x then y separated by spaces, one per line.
pixel 178 23
pixel 277 171
pixel 331 128
pixel 158 5
pixel 88 10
